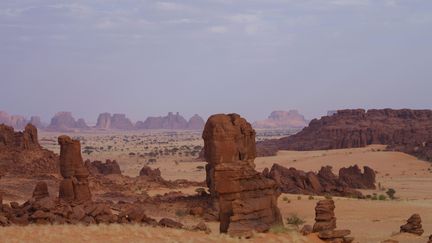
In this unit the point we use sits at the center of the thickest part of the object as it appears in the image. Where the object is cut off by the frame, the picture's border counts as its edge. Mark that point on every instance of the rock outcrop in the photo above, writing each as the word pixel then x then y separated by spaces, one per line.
pixel 16 121
pixel 172 122
pixel 99 168
pixel 413 225
pixel 64 122
pixel 147 171
pixel 21 154
pixel 74 187
pixel 324 182
pixel 36 121
pixel 325 223
pixel 247 200
pixel 282 119
pixel 354 178
pixel 403 130
pixel 40 191
pixel 116 122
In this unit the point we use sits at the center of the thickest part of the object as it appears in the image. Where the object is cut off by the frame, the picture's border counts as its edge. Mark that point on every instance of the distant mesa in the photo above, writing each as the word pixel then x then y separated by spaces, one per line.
pixel 18 122
pixel 64 122
pixel 282 119
pixel 171 121
pixel 107 121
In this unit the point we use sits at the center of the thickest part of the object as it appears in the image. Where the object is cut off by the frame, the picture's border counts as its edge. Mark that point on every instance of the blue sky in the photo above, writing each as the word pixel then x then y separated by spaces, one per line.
pixel 146 58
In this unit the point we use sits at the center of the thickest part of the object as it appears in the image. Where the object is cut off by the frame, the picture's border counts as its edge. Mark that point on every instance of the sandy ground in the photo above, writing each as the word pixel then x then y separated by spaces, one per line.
pixel 369 221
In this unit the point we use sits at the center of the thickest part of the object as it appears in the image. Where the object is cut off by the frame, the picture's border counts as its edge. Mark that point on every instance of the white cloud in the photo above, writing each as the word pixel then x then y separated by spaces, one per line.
pixel 218 29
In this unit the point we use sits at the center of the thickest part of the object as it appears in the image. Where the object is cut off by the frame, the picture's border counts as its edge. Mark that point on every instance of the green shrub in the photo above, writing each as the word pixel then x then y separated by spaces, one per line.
pixel 310 197
pixel 295 220
pixel 278 229
pixel 382 197
pixel 328 196
pixel 299 198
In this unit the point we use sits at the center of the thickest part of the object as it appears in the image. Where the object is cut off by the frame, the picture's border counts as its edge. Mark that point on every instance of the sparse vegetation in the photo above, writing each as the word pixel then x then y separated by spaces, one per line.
pixel 390 193
pixel 293 219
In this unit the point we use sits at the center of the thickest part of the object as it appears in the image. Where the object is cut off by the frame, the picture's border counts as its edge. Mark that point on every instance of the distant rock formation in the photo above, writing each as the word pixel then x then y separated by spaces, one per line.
pixel 403 130
pixel 149 172
pixel 247 200
pixel 283 119
pixel 36 121
pixel 171 121
pixel 413 225
pixel 196 123
pixel 116 122
pixel 64 122
pixel 324 182
pixel 21 154
pixel 74 187
pixel 16 121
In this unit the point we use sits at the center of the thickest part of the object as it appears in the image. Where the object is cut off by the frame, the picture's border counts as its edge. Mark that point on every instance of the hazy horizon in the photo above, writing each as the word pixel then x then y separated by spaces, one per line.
pixel 146 58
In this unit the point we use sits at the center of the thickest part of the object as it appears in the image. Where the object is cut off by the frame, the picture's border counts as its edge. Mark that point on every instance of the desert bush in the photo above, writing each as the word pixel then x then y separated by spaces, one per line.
pixel 327 196
pixel 382 197
pixel 311 197
pixel 390 193
pixel 293 219
pixel 299 197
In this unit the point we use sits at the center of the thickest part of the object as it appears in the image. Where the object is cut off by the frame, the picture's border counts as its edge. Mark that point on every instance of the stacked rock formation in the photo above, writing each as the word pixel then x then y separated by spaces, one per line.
pixel 325 223
pixel 413 225
pixel 324 182
pixel 74 187
pixel 20 152
pixel 404 130
pixel 247 200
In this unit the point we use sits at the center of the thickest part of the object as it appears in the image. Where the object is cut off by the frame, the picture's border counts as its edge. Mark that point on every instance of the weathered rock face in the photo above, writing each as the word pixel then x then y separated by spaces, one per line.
pixel 413 225
pixel 404 130
pixel 15 121
pixel 107 168
pixel 74 186
pixel 323 183
pixel 247 200
pixel 354 178
pixel 325 223
pixel 20 152
pixel 116 121
pixel 283 119
pixel 196 123
pixel 64 122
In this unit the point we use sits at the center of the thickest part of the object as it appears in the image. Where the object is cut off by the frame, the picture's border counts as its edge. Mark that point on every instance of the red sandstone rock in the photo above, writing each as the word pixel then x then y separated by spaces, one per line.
pixel 324 216
pixel 107 168
pixel 74 186
pixel 299 182
pixel 147 171
pixel 404 130
pixel 247 201
pixel 354 178
pixel 169 223
pixel 21 154
pixel 413 225
pixel 41 190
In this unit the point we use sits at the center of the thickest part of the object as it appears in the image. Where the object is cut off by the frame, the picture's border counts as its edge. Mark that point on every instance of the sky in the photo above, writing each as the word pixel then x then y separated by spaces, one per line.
pixel 146 58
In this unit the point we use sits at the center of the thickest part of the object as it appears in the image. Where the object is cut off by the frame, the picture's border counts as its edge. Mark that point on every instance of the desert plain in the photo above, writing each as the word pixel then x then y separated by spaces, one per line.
pixel 175 154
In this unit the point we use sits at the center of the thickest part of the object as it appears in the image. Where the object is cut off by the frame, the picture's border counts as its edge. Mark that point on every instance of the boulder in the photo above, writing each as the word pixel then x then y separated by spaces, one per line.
pixel 354 178
pixel 247 200
pixel 41 190
pixel 413 225
pixel 149 172
pixel 169 223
